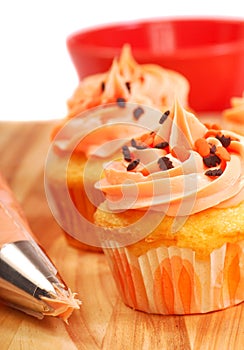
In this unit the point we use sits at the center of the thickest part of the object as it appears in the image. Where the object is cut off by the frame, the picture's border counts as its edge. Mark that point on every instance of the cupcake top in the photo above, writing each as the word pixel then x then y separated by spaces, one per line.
pixel 236 111
pixel 180 168
pixel 127 80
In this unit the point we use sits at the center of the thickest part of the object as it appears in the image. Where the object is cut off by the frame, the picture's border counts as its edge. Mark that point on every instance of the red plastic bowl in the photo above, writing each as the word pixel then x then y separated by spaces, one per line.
pixel 208 51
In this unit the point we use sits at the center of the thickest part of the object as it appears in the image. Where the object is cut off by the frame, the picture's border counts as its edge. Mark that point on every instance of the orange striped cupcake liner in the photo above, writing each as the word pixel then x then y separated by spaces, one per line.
pixel 173 281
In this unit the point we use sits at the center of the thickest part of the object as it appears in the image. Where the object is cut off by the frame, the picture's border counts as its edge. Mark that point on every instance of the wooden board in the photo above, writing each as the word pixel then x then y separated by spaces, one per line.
pixel 103 322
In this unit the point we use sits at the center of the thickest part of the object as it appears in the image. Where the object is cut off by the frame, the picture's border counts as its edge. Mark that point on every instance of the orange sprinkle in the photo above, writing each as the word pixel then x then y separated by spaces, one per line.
pixel 144 171
pixel 212 126
pixel 146 139
pixel 215 127
pixel 207 125
pixel 143 137
pixel 202 147
pixel 212 132
pixel 149 140
pixel 222 153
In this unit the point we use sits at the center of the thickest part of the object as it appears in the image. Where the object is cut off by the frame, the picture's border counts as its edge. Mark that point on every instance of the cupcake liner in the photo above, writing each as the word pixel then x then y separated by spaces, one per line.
pixel 173 280
pixel 78 230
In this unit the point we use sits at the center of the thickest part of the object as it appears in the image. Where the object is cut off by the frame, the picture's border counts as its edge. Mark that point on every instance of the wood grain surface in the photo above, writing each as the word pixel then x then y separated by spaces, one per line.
pixel 103 321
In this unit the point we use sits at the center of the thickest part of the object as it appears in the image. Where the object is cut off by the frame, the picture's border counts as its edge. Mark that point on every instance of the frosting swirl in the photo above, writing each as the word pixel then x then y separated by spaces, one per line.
pixel 181 168
pixel 147 84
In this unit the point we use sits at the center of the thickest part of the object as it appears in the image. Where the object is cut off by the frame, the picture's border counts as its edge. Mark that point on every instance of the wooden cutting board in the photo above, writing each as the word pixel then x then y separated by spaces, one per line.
pixel 103 322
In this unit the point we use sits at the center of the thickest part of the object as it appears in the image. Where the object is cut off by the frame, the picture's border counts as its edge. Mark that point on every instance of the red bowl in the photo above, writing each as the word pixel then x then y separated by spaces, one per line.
pixel 209 52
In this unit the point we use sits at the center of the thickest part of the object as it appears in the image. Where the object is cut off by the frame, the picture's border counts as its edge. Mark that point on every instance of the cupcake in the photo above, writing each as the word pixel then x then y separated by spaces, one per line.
pixel 125 82
pixel 172 222
pixel 233 117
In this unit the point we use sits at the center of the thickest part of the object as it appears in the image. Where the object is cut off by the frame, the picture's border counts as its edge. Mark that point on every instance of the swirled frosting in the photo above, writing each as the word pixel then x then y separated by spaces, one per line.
pixel 181 168
pixel 147 84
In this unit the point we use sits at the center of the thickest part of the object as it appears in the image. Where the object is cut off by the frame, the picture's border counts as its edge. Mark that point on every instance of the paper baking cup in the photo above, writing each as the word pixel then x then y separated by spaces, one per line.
pixel 173 280
pixel 80 235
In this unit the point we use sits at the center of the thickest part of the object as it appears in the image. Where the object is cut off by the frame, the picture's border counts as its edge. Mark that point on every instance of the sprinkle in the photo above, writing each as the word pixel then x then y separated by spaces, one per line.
pixel 139 145
pixel 202 147
pixel 126 153
pixel 102 86
pixel 214 172
pixel 127 84
pixel 222 153
pixel 164 117
pixel 212 126
pixel 121 102
pixel 215 126
pixel 161 145
pixel 165 163
pixel 212 149
pixel 133 164
pixel 138 112
pixel 212 133
pixel 212 160
pixel 224 140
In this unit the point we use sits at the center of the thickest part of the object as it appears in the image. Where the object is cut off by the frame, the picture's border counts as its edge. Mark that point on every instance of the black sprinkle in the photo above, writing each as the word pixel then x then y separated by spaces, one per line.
pixel 164 117
pixel 127 84
pixel 214 172
pixel 212 160
pixel 126 153
pixel 138 146
pixel 138 112
pixel 103 86
pixel 121 102
pixel 165 163
pixel 213 149
pixel 224 140
pixel 133 164
pixel 161 145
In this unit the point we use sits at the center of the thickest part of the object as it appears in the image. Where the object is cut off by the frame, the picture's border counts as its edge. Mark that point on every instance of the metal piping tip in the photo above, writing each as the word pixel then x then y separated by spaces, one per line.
pixel 30 282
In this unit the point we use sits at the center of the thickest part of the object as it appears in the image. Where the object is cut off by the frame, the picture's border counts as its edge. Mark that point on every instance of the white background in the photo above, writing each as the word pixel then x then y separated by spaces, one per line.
pixel 36 73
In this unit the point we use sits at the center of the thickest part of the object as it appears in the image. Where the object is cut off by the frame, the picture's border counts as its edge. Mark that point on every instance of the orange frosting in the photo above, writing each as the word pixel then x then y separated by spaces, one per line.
pixel 147 84
pixel 189 181
pixel 62 305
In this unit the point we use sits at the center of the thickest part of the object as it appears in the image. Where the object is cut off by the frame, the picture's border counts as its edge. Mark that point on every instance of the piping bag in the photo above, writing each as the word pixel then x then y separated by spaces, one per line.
pixel 29 281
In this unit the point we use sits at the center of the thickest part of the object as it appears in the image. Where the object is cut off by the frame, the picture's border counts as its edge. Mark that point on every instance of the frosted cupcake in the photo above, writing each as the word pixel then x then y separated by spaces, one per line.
pixel 129 81
pixel 125 82
pixel 173 218
pixel 233 117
